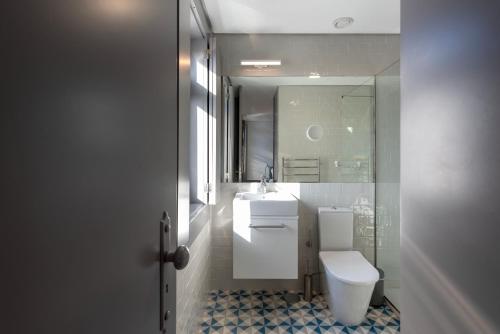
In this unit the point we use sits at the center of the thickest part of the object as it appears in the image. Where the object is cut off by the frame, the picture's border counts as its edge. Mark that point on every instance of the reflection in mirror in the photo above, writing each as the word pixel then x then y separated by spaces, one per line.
pixel 298 129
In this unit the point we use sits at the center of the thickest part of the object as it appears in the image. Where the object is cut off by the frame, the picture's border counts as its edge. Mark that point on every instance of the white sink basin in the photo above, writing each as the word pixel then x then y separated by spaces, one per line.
pixel 278 204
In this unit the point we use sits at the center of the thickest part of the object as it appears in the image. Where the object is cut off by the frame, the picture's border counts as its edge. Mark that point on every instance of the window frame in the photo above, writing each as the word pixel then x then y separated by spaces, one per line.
pixel 197 207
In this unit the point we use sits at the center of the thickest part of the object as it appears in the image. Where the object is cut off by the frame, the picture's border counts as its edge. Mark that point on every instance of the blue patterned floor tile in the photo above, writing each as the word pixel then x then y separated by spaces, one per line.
pixel 266 312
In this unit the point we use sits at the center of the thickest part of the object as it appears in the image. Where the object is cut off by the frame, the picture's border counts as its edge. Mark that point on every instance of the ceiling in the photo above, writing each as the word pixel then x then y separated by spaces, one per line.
pixel 303 16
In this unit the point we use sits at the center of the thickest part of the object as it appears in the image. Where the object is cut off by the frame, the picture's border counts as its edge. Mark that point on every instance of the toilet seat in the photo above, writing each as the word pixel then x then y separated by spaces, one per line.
pixel 349 267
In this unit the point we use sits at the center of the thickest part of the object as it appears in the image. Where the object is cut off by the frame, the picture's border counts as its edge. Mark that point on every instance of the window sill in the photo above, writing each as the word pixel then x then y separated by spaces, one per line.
pixel 194 210
pixel 199 216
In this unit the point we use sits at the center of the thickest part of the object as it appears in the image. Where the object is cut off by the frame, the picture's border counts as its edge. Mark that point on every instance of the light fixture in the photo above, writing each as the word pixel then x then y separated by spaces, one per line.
pixel 343 22
pixel 314 75
pixel 260 63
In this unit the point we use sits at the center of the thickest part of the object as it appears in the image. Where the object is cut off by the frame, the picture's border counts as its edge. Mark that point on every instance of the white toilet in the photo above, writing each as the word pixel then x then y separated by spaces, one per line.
pixel 348 278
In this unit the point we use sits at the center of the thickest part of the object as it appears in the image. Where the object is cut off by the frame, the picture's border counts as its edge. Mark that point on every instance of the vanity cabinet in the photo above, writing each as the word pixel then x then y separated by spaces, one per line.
pixel 264 246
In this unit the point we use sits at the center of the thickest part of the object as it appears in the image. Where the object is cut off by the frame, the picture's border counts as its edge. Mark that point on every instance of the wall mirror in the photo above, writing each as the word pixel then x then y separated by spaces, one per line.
pixel 298 129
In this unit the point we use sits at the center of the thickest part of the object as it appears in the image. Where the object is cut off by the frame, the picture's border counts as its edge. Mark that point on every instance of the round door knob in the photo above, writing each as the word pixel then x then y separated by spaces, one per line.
pixel 179 258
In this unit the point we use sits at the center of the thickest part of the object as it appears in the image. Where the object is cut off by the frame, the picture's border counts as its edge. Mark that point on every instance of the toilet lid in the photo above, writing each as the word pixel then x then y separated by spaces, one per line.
pixel 349 267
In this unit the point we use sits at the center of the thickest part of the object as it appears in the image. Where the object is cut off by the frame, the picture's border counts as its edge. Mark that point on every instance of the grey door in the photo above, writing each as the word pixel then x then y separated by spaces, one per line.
pixel 88 164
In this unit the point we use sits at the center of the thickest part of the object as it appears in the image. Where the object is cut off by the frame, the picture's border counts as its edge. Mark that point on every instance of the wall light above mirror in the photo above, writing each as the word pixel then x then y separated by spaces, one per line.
pixel 298 129
pixel 260 63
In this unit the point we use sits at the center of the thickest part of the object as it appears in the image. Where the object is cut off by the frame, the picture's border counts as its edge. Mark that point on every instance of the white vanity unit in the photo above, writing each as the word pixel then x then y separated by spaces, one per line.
pixel 265 236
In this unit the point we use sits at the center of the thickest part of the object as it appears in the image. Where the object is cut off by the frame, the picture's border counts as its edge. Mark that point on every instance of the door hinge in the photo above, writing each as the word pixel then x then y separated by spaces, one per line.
pixel 208 54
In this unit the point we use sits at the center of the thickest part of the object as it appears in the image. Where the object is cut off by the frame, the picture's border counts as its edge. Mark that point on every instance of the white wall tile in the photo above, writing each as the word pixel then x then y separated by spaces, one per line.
pixel 347 125
pixel 311 196
pixel 193 282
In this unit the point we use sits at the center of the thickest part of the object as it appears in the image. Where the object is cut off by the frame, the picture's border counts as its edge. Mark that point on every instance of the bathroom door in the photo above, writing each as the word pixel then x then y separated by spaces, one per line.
pixel 88 142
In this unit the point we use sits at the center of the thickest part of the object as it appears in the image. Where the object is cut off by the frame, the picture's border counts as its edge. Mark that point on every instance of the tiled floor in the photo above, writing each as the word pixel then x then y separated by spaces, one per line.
pixel 260 311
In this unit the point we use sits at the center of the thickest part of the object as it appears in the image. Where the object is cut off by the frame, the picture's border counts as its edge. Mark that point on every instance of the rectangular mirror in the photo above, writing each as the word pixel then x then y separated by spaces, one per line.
pixel 306 129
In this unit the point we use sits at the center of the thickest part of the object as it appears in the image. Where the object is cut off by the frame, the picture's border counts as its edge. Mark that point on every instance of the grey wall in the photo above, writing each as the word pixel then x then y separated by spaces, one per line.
pixel 330 55
pixel 256 100
pixel 450 162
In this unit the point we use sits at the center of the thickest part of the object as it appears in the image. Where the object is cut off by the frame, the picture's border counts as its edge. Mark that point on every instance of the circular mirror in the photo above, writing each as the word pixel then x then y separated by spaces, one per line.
pixel 314 132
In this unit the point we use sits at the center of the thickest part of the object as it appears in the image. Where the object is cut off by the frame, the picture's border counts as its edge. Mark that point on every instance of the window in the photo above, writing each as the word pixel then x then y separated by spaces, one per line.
pixel 202 119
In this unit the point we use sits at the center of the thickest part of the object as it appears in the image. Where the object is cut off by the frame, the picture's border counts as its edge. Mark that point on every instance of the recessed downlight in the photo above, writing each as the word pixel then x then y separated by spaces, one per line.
pixel 343 22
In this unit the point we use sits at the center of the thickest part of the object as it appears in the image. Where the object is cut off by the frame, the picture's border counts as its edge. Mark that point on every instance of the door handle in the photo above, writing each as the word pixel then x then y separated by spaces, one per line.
pixel 179 258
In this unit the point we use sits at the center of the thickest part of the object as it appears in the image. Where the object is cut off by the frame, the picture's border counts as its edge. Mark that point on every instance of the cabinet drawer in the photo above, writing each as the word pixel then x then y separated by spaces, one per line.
pixel 265 247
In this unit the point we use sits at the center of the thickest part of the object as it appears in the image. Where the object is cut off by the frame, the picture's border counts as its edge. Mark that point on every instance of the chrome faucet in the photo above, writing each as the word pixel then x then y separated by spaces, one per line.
pixel 266 178
pixel 263 185
pixel 268 173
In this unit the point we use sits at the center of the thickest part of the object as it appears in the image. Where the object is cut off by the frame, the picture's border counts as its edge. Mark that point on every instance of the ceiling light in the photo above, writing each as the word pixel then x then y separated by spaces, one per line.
pixel 260 63
pixel 343 22
pixel 314 75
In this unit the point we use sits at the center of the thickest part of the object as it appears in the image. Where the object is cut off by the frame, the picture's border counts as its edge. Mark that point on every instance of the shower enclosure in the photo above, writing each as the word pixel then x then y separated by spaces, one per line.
pixel 387 179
